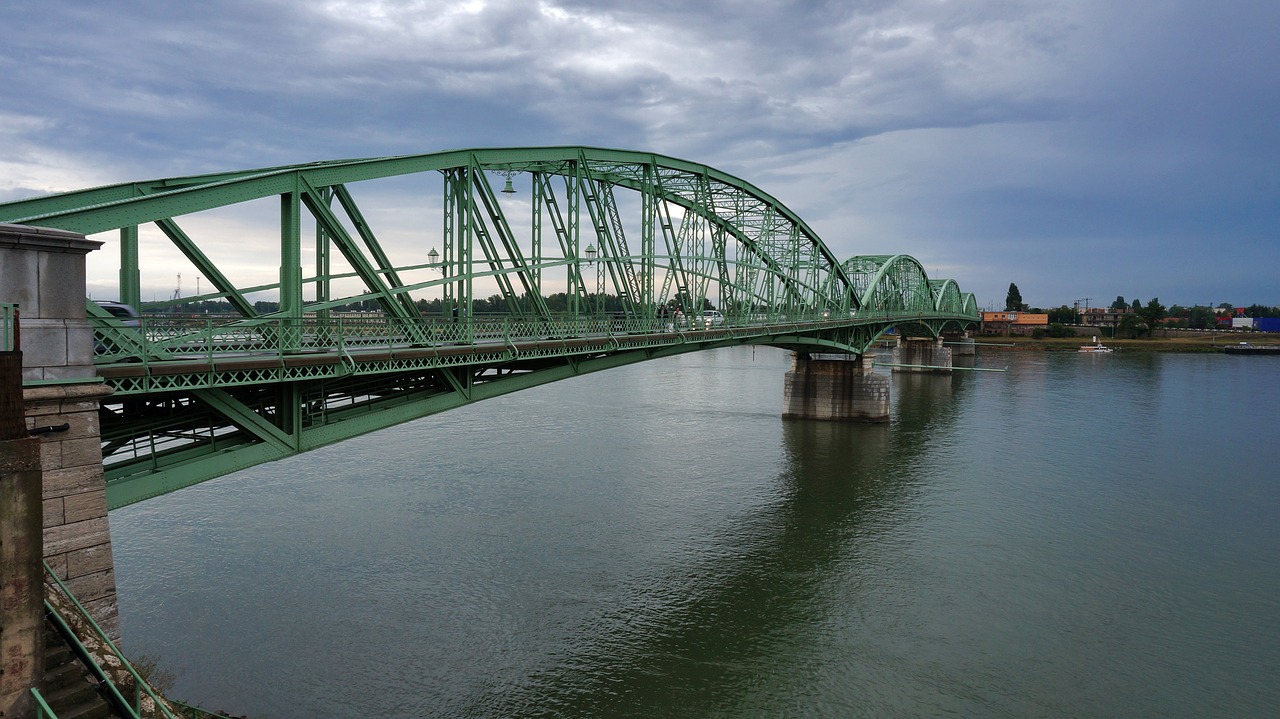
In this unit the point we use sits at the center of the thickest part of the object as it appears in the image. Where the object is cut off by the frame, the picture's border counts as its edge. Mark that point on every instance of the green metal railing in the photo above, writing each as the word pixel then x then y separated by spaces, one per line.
pixel 42 707
pixel 8 327
pixel 168 338
pixel 133 707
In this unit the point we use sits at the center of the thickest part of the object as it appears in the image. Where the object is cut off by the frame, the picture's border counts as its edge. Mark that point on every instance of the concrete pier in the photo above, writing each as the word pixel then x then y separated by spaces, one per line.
pixel 42 271
pixel 961 344
pixel 835 387
pixel 926 354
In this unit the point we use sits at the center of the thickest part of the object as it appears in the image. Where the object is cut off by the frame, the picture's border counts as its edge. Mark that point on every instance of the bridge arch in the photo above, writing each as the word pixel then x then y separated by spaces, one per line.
pixel 636 246
pixel 705 237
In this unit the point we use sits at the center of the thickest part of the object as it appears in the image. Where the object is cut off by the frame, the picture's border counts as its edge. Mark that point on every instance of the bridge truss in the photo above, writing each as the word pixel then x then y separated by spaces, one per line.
pixel 592 258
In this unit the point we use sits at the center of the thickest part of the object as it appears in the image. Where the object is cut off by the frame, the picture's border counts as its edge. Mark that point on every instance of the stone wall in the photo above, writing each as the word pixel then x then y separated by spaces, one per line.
pixel 77 536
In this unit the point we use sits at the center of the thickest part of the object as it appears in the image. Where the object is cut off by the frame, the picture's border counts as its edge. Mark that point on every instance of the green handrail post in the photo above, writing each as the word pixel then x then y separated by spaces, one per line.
pixel 140 685
pixel 42 708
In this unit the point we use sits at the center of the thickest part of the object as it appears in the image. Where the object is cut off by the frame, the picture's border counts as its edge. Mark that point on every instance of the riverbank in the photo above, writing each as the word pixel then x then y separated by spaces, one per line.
pixel 1142 344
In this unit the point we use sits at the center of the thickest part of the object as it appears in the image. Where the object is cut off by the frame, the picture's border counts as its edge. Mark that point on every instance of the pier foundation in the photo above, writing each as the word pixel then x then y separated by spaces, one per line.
pixel 835 387
pixel 921 354
pixel 961 344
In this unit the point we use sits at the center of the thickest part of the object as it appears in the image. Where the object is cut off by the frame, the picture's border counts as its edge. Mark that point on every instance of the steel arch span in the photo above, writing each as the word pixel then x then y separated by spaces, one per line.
pixel 552 262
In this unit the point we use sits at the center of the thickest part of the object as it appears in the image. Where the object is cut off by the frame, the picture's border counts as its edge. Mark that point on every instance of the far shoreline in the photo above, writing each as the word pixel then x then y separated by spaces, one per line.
pixel 1212 343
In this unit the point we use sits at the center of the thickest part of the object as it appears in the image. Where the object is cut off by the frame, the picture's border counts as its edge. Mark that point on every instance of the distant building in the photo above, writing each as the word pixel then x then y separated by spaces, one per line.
pixel 1013 323
pixel 1103 316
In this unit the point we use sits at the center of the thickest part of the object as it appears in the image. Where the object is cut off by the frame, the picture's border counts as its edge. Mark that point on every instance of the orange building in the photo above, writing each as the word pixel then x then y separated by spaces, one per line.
pixel 1016 323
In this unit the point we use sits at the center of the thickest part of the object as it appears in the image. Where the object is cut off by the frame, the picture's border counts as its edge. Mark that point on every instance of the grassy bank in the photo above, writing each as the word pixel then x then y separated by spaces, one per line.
pixel 1143 344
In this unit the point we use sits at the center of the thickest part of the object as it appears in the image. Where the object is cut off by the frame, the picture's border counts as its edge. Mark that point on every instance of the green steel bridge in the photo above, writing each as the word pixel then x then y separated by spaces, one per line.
pixel 594 258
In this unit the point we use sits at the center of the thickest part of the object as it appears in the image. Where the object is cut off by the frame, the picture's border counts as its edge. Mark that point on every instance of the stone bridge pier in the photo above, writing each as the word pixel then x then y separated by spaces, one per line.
pixel 961 344
pixel 43 272
pixel 835 387
pixel 921 354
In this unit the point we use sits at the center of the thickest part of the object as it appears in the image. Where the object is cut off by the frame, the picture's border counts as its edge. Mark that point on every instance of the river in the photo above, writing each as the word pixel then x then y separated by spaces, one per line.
pixel 1080 536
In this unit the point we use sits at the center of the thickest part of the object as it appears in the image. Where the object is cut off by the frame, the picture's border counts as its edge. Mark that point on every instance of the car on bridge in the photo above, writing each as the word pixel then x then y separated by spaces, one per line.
pixel 128 317
pixel 712 318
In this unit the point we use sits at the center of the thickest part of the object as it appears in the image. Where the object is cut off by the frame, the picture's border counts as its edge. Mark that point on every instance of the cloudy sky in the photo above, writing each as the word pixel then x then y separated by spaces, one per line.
pixel 1080 148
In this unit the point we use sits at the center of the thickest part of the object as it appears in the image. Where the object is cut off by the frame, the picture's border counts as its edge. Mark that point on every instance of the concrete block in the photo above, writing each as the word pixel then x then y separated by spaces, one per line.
pixel 79 342
pixel 18 279
pixel 90 587
pixel 91 560
pixel 44 343
pixel 50 453
pixel 53 512
pixel 61 285
pixel 73 481
pixel 77 452
pixel 83 423
pixel 65 372
pixel 87 505
pixel 58 564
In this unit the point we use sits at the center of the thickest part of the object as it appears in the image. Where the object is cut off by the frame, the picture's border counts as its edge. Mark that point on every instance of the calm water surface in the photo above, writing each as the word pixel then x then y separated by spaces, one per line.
pixel 1081 536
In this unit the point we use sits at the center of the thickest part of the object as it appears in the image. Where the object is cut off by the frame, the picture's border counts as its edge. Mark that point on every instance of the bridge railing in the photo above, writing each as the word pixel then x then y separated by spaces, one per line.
pixel 160 337
pixel 163 337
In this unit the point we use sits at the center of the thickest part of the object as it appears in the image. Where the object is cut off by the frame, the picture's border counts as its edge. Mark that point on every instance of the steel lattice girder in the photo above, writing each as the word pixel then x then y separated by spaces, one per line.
pixel 187 409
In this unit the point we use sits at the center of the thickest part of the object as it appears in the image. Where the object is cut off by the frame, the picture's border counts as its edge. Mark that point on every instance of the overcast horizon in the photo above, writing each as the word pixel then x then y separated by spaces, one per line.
pixel 1086 149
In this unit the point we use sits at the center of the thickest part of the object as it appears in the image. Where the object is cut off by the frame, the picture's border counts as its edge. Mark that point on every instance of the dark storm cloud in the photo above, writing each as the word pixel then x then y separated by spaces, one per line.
pixel 997 140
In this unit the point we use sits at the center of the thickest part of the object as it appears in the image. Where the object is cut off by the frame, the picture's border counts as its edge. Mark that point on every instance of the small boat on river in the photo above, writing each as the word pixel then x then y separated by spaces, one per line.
pixel 1096 347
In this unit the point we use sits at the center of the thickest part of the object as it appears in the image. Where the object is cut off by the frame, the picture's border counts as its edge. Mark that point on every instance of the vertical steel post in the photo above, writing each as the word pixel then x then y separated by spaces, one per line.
pixel 576 285
pixel 448 237
pixel 322 254
pixel 466 283
pixel 291 270
pixel 130 276
pixel 536 230
pixel 648 243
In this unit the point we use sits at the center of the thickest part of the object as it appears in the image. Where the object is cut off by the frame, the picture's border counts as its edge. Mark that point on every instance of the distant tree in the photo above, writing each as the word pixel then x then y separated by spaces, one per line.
pixel 1119 304
pixel 1013 300
pixel 1063 315
pixel 1131 325
pixel 1202 318
pixel 1262 311
pixel 1057 329
pixel 1153 313
pixel 1137 304
pixel 1226 306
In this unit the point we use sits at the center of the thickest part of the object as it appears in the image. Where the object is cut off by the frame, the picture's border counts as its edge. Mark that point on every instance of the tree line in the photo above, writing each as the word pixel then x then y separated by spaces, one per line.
pixel 1138 318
